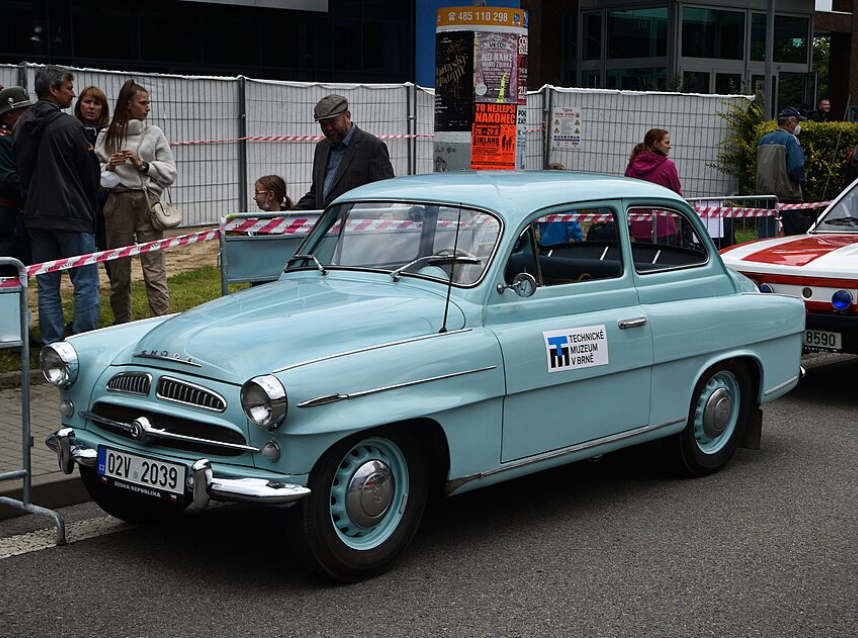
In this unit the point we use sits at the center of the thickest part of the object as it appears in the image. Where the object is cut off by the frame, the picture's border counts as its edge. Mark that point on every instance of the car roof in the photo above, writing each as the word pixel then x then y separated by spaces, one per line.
pixel 512 193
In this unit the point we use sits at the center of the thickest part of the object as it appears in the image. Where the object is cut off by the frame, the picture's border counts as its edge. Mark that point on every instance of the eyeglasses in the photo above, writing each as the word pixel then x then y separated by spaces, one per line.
pixel 261 192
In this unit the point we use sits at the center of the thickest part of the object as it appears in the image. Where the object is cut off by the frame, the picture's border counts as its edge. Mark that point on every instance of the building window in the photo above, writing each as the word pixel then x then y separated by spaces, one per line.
pixel 637 33
pixel 791 38
pixel 647 79
pixel 592 36
pixel 709 33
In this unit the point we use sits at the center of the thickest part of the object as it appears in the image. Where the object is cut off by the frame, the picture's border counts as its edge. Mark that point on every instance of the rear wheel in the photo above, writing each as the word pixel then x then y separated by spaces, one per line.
pixel 367 498
pixel 719 412
pixel 125 505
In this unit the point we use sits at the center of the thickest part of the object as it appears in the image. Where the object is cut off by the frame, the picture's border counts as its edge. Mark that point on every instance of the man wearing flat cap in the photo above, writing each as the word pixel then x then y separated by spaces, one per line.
pixel 347 158
pixel 14 242
pixel 780 171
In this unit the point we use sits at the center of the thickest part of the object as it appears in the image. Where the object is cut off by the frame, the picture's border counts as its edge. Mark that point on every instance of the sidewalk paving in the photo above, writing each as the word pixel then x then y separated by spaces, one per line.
pixel 50 487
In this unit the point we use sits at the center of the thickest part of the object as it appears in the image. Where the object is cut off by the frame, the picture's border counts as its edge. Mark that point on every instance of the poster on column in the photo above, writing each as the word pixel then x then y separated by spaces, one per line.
pixel 496 76
pixel 454 81
pixel 566 127
pixel 493 142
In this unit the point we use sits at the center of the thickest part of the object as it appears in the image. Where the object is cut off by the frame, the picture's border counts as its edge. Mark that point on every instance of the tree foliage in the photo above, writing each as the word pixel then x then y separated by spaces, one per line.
pixel 825 147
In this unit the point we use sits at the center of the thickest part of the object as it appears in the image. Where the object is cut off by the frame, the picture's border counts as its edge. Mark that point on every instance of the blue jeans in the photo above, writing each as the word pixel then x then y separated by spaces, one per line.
pixel 49 245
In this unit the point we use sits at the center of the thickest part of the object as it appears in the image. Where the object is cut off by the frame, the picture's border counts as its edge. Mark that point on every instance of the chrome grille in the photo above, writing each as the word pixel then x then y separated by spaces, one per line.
pixel 174 424
pixel 131 383
pixel 170 389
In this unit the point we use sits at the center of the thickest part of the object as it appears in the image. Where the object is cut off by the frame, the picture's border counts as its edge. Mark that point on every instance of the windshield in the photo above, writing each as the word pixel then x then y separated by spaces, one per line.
pixel 842 217
pixel 407 238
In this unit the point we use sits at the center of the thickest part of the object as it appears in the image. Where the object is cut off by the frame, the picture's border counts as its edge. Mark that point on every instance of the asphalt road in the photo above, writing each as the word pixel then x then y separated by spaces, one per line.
pixel 619 547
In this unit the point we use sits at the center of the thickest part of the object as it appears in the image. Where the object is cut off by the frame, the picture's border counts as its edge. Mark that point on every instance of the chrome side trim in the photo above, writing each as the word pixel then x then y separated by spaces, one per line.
pixel 780 386
pixel 454 484
pixel 333 398
pixel 141 428
pixel 434 335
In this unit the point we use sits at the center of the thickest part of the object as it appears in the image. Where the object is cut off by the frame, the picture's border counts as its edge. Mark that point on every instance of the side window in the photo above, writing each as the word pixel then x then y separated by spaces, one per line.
pixel 664 239
pixel 578 245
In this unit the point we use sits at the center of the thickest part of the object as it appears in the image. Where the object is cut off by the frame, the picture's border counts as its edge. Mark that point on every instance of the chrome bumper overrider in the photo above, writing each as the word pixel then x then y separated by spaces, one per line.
pixel 204 486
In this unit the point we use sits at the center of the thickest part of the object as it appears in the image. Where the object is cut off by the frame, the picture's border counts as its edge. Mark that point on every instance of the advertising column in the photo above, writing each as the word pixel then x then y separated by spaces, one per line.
pixel 480 88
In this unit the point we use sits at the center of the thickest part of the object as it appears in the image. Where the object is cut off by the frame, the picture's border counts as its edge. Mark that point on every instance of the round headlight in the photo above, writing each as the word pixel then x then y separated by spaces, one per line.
pixel 59 364
pixel 766 288
pixel 841 299
pixel 264 401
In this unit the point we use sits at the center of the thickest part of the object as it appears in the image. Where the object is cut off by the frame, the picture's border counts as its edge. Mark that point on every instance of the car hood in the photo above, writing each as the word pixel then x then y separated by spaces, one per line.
pixel 828 255
pixel 286 322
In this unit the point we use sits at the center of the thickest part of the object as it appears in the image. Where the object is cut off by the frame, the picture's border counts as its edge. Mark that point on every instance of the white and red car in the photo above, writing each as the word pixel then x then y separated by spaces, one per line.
pixel 820 267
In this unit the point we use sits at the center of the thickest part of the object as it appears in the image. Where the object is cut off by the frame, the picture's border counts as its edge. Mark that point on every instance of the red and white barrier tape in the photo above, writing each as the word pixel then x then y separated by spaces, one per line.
pixel 107 255
pixel 310 138
pixel 299 226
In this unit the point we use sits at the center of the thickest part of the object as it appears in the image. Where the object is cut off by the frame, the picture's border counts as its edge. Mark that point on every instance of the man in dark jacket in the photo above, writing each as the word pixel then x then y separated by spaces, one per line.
pixel 55 165
pixel 346 159
pixel 14 242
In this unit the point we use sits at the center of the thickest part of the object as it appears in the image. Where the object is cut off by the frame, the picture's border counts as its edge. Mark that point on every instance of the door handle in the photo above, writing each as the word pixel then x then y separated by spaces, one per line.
pixel 637 322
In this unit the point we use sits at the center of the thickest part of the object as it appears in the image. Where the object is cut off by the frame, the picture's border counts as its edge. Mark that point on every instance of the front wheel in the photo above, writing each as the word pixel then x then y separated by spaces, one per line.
pixel 719 412
pixel 367 498
pixel 125 505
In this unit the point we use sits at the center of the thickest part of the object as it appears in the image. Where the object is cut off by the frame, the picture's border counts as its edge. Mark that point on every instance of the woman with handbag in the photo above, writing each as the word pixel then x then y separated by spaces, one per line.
pixel 138 166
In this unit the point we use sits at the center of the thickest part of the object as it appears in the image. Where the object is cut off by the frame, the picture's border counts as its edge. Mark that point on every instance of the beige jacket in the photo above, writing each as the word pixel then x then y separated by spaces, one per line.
pixel 151 146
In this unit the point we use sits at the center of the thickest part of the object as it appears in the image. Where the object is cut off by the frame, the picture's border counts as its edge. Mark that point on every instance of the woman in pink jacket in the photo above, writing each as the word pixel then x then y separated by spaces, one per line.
pixel 649 162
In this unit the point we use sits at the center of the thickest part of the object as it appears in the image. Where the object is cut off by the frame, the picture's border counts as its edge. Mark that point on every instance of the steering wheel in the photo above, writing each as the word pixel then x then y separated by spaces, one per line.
pixel 452 251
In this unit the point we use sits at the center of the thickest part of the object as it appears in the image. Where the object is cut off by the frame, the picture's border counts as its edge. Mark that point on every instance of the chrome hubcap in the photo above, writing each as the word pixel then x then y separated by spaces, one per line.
pixel 370 493
pixel 717 412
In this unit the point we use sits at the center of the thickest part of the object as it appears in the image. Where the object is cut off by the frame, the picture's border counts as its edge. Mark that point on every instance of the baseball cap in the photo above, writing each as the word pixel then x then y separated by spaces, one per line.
pixel 791 111
pixel 330 106
pixel 13 97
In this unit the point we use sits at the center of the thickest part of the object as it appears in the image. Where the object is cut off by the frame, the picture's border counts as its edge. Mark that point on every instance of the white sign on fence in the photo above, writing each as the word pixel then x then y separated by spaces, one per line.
pixel 566 127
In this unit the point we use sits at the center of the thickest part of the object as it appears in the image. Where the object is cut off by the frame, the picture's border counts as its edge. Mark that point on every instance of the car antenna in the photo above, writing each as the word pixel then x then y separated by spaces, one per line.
pixel 452 269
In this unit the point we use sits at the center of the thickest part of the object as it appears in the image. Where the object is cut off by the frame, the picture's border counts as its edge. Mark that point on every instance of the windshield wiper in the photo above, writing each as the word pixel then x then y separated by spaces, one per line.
pixel 435 260
pixel 295 258
pixel 842 221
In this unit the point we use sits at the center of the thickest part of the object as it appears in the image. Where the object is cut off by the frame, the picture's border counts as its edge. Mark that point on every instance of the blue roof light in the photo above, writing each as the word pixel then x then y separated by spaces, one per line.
pixel 766 288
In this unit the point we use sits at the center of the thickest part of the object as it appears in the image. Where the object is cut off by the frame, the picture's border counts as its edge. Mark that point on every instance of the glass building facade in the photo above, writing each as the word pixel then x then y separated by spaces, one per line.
pixel 354 41
pixel 694 47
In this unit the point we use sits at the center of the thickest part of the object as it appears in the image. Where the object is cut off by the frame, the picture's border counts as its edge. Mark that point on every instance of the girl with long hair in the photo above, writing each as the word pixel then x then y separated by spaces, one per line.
pixel 140 157
pixel 648 161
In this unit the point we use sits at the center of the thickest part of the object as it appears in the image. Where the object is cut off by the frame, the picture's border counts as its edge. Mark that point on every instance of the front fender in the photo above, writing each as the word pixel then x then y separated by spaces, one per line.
pixel 440 379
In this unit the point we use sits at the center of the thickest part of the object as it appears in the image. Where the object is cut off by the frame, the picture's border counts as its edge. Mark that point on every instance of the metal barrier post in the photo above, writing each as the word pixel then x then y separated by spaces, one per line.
pixel 728 221
pixel 22 341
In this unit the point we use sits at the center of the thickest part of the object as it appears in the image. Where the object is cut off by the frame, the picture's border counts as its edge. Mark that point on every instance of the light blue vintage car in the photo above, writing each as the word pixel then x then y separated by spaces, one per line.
pixel 430 334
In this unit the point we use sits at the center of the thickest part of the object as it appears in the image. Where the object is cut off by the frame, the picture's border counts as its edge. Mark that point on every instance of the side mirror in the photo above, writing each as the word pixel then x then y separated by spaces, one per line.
pixel 523 284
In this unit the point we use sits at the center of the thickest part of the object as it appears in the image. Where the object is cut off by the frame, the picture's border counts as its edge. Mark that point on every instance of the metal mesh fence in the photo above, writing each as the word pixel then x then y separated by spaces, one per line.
pixel 10 75
pixel 612 122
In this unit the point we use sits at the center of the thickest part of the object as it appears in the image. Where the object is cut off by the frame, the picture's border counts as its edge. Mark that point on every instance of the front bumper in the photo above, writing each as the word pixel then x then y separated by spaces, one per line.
pixel 203 485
